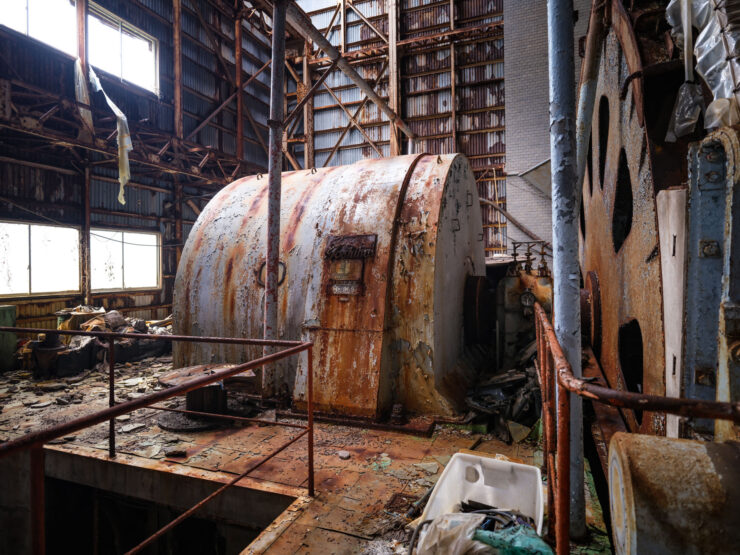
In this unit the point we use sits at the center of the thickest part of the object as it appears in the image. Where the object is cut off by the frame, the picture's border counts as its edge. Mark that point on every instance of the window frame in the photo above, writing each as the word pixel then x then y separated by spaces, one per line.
pixel 123 231
pixel 100 12
pixel 62 293
pixel 95 10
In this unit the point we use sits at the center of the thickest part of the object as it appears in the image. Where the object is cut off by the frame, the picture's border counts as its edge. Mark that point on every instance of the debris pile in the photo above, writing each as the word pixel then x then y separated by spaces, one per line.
pixel 511 401
pixel 54 355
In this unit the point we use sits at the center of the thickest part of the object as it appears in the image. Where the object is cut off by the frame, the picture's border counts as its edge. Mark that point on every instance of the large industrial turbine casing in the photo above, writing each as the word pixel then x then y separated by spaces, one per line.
pixel 374 260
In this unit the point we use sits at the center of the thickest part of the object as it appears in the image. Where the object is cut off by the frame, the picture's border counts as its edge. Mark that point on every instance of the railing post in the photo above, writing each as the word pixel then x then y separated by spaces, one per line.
pixel 111 396
pixel 309 366
pixel 562 534
pixel 38 501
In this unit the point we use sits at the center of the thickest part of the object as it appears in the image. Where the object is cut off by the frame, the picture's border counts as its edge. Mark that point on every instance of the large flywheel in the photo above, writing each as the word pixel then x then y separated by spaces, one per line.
pixel 620 256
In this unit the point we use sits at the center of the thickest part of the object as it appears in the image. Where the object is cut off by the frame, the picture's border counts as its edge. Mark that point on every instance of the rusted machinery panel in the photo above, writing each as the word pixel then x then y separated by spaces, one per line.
pixel 621 253
pixel 374 261
pixel 690 505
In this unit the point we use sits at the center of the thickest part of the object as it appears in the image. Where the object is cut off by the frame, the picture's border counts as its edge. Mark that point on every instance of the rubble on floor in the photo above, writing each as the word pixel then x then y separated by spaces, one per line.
pixel 55 355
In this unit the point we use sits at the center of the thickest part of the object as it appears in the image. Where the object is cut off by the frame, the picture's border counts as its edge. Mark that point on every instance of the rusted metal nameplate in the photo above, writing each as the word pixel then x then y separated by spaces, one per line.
pixel 350 246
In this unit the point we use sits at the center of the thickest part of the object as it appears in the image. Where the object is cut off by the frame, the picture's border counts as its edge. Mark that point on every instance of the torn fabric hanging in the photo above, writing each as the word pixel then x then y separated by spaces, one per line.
pixel 124 137
pixel 83 97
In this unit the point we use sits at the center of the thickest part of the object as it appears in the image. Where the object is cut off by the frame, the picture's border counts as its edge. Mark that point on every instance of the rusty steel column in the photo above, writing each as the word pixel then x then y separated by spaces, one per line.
pixel 177 62
pixel 566 272
pixel 239 92
pixel 275 168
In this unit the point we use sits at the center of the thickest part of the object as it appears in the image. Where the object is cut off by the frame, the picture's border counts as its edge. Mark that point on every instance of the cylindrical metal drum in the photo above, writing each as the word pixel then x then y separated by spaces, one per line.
pixel 674 495
pixel 374 261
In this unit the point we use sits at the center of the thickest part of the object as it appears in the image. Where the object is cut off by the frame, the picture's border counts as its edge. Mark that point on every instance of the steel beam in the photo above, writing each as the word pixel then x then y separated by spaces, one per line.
pixel 301 22
pixel 177 62
pixel 394 75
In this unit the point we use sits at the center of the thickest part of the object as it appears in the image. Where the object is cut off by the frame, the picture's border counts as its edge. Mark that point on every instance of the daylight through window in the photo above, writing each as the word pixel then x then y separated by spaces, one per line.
pixel 124 260
pixel 37 259
pixel 114 45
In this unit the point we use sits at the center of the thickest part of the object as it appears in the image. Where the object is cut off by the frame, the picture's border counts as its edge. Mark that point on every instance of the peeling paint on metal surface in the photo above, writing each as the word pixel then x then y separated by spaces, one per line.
pixel 216 289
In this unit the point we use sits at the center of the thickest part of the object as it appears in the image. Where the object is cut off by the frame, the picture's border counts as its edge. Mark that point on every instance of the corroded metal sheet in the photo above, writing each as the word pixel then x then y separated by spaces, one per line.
pixel 342 231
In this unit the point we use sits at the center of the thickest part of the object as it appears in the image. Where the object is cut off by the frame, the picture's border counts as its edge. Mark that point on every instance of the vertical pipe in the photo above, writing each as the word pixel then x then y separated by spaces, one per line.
pixel 277 79
pixel 177 60
pixel 38 505
pixel 587 90
pixel 239 92
pixel 309 367
pixel 563 510
pixel 566 293
pixel 111 396
pixel 308 148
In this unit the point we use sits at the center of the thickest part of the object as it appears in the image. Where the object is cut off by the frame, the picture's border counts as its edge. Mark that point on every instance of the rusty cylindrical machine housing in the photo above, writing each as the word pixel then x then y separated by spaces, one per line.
pixel 374 259
pixel 673 495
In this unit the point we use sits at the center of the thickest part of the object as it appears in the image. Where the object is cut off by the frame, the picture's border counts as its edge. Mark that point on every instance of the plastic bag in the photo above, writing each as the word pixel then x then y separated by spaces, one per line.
pixel 452 534
pixel 689 106
pixel 515 540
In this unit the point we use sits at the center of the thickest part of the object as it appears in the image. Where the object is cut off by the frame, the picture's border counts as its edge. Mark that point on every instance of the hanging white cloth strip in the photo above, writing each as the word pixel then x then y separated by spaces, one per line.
pixel 124 138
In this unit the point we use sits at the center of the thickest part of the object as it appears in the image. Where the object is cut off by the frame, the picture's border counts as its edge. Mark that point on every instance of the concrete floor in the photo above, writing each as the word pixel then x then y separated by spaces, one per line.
pixel 359 503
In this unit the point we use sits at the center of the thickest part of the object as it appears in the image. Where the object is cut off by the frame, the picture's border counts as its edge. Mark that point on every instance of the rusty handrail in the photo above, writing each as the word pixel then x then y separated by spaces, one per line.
pixel 186 338
pixel 555 372
pixel 34 441
pixel 626 399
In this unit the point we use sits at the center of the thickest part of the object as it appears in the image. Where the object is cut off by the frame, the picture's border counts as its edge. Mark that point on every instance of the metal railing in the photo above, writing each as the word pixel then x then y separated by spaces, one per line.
pixel 35 441
pixel 556 381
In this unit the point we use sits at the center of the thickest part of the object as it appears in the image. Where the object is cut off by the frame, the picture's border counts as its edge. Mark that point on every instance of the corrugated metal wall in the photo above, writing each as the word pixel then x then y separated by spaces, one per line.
pixel 426 92
pixel 150 199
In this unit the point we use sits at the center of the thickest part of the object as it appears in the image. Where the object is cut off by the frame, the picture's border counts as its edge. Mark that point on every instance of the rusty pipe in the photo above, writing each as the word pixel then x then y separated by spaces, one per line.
pixel 186 338
pixel 564 492
pixel 587 86
pixel 275 169
pixel 66 428
pixel 301 23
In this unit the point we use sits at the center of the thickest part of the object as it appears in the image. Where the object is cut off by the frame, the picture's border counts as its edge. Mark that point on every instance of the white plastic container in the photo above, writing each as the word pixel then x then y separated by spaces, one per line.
pixel 501 484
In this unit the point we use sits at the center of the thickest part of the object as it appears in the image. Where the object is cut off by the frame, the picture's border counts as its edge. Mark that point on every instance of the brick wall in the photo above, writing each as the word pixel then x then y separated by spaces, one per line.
pixel 527 108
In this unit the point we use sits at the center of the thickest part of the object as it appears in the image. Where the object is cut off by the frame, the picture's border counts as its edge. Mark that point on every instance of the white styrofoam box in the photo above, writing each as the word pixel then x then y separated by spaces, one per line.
pixel 501 484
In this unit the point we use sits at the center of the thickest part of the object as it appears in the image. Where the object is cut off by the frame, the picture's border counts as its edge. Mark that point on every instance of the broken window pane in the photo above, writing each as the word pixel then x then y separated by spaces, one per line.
pixel 106 259
pixel 14 269
pixel 140 260
pixel 55 259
